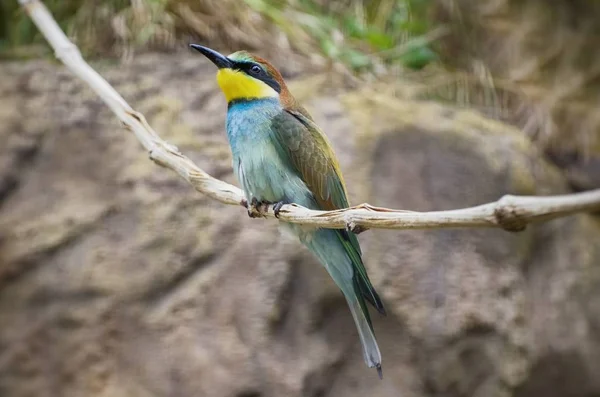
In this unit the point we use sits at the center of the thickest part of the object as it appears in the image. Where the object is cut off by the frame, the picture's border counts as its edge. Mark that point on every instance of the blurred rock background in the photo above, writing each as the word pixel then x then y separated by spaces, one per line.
pixel 117 279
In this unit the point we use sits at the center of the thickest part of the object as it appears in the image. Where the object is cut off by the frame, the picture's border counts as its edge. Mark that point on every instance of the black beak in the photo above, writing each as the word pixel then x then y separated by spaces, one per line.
pixel 218 59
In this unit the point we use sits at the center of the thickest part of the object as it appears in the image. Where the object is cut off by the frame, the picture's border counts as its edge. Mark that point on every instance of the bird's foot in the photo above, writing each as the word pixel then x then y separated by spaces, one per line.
pixel 257 209
pixel 379 371
pixel 277 208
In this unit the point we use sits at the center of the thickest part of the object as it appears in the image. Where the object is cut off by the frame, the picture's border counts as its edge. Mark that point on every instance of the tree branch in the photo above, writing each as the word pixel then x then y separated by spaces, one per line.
pixel 511 213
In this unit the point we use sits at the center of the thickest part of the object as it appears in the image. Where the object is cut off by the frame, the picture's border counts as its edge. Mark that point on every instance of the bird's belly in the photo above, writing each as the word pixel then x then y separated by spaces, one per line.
pixel 259 168
pixel 264 176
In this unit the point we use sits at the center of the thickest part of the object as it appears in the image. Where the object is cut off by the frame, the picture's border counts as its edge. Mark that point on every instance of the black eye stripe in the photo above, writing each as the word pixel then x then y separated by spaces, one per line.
pixel 244 66
pixel 262 75
pixel 253 68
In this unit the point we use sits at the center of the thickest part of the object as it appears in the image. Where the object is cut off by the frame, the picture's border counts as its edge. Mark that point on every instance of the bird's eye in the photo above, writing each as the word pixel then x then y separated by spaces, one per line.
pixel 255 69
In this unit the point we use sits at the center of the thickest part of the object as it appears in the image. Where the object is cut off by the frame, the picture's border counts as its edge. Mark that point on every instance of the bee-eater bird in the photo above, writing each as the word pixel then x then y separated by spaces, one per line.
pixel 280 156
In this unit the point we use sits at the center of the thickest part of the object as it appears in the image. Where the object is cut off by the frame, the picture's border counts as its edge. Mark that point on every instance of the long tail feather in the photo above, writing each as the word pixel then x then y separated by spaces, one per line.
pixel 336 257
pixel 361 279
pixel 371 353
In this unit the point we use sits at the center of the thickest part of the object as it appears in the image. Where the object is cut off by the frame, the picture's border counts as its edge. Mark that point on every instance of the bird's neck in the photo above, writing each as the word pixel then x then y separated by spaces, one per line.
pixel 254 104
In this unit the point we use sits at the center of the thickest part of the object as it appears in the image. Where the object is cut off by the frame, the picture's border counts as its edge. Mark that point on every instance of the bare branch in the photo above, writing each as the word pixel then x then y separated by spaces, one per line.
pixel 511 213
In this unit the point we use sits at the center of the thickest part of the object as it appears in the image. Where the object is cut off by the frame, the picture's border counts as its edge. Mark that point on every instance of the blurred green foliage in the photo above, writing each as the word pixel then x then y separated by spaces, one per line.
pixel 357 33
pixel 18 31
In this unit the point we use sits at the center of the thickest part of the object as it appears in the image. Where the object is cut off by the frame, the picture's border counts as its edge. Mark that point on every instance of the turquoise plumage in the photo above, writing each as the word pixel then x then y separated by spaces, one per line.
pixel 281 156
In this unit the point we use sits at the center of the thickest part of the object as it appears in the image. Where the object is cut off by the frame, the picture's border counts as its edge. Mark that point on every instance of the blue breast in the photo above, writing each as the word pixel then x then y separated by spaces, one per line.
pixel 260 169
pixel 249 121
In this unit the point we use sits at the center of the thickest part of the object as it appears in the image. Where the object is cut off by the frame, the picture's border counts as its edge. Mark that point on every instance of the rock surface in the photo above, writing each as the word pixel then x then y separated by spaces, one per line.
pixel 543 59
pixel 117 279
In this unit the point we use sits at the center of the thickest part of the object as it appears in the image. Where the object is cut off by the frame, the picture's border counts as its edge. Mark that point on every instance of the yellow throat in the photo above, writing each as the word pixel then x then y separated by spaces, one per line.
pixel 238 85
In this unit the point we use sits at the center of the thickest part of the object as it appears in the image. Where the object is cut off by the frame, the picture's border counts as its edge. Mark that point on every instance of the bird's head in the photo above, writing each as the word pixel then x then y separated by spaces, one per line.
pixel 243 76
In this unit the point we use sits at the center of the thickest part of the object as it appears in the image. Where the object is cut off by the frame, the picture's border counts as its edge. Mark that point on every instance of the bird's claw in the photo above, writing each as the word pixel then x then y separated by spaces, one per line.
pixel 257 209
pixel 277 208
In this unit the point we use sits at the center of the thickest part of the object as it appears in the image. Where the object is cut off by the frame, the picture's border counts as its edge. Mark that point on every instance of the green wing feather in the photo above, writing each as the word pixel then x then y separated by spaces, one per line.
pixel 309 150
pixel 298 139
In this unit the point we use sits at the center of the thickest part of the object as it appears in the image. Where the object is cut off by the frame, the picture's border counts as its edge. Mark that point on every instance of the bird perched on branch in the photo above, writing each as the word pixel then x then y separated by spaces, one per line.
pixel 280 156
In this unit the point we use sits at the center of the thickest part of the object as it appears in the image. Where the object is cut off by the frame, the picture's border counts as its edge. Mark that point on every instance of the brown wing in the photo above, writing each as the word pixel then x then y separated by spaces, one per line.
pixel 308 149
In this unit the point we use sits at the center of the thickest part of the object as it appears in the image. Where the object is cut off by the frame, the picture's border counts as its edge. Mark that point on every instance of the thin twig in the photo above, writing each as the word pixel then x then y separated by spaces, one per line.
pixel 511 213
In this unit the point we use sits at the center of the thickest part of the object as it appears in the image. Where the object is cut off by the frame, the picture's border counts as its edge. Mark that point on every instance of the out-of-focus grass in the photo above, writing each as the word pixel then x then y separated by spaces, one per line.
pixel 99 27
pixel 482 48
pixel 358 33
pixel 362 34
